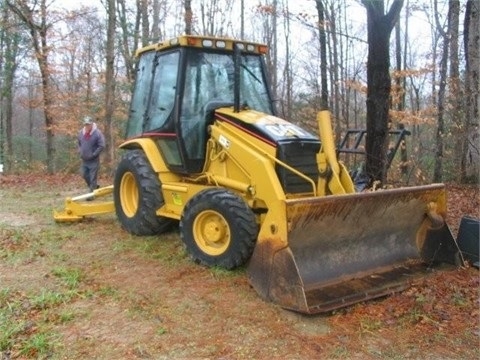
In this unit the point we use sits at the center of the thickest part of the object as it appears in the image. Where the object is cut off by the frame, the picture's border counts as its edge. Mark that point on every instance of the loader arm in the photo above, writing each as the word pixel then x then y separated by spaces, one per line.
pixel 334 177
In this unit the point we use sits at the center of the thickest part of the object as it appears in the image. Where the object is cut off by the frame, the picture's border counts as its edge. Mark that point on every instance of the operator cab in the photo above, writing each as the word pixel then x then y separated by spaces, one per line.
pixel 179 85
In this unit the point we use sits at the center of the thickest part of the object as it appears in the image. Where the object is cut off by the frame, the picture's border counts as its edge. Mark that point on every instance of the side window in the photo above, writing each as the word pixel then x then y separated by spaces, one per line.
pixel 140 94
pixel 253 86
pixel 163 90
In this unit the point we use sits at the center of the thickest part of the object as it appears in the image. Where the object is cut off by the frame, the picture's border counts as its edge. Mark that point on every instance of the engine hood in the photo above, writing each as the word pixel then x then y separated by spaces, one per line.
pixel 267 127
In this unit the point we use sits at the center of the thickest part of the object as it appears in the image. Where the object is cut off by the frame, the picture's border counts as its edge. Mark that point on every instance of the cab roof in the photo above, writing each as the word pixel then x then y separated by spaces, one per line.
pixel 208 42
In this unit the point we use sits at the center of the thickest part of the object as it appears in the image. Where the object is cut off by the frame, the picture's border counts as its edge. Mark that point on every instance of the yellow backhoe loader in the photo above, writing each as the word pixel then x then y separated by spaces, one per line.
pixel 204 149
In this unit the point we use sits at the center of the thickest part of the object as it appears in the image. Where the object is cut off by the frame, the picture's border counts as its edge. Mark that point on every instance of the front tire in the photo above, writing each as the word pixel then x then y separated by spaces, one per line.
pixel 218 229
pixel 137 196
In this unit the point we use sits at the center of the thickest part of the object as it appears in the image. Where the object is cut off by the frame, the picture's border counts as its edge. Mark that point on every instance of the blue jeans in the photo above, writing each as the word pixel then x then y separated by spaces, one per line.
pixel 89 170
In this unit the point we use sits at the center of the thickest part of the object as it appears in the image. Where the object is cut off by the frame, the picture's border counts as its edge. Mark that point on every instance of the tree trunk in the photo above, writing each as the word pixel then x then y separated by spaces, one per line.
pixel 274 50
pixel 188 17
pixel 323 55
pixel 287 72
pixel 38 32
pixel 332 20
pixel 145 22
pixel 242 19
pixel 379 84
pixel 8 65
pixel 439 147
pixel 455 98
pixel 471 149
pixel 110 81
pixel 403 148
pixel 156 34
pixel 126 38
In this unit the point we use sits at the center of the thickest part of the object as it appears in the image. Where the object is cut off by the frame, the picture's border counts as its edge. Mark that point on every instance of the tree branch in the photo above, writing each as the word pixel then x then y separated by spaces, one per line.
pixel 393 13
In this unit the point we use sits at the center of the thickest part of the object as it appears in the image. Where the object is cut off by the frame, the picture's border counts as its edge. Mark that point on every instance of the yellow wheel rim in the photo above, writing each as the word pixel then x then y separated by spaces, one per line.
pixel 129 194
pixel 211 232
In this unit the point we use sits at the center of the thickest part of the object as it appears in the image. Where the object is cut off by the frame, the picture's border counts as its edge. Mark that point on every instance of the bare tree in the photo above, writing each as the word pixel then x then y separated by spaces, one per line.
pixel 156 33
pixel 188 17
pixel 34 16
pixel 323 54
pixel 287 71
pixel 9 51
pixel 110 79
pixel 214 17
pixel 471 148
pixel 380 26
pixel 143 10
pixel 268 14
pixel 335 63
pixel 439 139
pixel 455 98
pixel 129 37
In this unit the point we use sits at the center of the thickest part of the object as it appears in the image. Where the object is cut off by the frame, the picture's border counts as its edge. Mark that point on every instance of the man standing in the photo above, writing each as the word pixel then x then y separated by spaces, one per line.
pixel 91 143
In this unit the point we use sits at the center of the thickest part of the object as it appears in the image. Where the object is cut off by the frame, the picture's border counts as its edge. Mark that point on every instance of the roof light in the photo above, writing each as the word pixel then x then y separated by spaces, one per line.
pixel 191 41
pixel 263 49
pixel 174 41
pixel 207 43
pixel 240 46
pixel 250 47
pixel 221 44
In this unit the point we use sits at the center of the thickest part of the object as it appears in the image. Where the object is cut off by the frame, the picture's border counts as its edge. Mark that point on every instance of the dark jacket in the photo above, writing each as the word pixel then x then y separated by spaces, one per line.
pixel 90 145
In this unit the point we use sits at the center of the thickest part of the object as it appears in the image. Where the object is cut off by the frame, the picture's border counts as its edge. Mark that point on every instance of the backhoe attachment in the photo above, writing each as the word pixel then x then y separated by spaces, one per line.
pixel 76 208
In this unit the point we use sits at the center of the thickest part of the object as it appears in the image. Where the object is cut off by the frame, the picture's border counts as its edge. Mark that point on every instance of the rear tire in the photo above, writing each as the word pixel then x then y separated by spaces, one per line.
pixel 218 229
pixel 137 196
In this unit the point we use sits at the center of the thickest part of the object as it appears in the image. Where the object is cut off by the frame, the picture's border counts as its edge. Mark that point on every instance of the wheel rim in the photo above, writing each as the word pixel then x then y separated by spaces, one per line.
pixel 211 232
pixel 129 194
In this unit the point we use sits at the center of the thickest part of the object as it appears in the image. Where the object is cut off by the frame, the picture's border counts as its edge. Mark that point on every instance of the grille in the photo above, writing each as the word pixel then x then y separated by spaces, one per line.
pixel 301 156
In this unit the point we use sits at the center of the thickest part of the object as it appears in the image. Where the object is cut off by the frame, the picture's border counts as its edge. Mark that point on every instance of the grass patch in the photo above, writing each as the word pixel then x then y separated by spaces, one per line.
pixel 167 248
pixel 23 245
pixel 48 299
pixel 222 273
pixel 13 243
pixel 39 345
pixel 26 321
pixel 370 325
pixel 71 277
pixel 339 352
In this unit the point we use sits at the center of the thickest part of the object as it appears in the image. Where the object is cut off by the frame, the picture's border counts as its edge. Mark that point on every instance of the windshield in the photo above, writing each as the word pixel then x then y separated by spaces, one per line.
pixel 210 77
pixel 209 83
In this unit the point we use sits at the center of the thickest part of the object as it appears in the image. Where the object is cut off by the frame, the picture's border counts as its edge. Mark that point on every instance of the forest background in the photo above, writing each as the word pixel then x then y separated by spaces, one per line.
pixel 61 61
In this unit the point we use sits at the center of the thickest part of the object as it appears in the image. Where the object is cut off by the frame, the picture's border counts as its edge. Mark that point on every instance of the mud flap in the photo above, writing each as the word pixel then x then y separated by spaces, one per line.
pixel 345 249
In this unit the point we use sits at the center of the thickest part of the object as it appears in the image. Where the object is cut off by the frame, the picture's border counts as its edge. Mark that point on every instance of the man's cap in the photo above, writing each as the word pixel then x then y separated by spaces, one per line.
pixel 87 120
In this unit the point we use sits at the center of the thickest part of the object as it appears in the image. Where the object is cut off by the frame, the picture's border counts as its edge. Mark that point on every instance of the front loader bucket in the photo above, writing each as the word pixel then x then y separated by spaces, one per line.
pixel 349 248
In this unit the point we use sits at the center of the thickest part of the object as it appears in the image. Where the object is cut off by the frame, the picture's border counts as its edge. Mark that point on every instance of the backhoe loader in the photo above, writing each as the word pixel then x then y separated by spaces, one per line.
pixel 205 150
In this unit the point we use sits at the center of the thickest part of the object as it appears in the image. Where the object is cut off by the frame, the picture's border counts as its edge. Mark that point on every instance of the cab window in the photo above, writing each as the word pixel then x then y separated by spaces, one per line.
pixel 140 94
pixel 164 87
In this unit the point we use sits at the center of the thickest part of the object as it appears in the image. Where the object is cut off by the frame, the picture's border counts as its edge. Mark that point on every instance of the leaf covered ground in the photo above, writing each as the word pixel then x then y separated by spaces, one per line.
pixel 89 290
